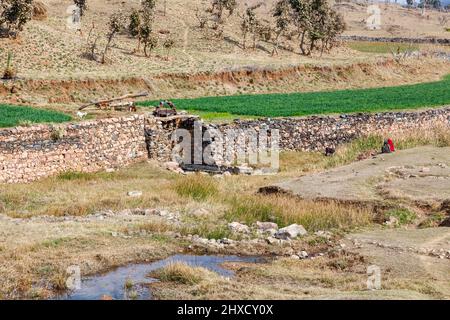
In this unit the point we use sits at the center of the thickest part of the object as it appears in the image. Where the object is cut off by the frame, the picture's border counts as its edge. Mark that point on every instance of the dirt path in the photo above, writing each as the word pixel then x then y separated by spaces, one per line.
pixel 420 255
pixel 418 174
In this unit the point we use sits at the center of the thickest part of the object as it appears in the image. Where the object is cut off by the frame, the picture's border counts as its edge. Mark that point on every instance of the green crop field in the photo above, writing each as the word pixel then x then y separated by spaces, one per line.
pixel 343 101
pixel 11 116
pixel 381 47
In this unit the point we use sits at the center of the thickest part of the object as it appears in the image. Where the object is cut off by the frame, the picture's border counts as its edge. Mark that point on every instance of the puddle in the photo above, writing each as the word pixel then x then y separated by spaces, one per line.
pixel 113 283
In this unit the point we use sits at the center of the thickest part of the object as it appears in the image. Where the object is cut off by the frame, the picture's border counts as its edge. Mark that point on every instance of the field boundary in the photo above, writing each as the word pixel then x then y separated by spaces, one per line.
pixel 32 153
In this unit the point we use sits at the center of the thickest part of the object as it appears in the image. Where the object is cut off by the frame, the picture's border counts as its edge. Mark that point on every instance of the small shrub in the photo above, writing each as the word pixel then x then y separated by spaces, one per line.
pixel 57 133
pixel 404 216
pixel 433 221
pixel 9 72
pixel 252 209
pixel 128 284
pixel 25 123
pixel 151 227
pixel 197 187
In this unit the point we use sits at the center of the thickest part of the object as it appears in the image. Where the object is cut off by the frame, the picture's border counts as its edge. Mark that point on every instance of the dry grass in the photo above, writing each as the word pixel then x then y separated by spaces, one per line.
pixel 183 273
pixel 197 187
pixel 286 210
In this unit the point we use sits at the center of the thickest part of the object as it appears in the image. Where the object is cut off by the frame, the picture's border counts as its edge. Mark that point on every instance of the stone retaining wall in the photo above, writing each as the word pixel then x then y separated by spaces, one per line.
pixel 317 133
pixel 443 41
pixel 30 153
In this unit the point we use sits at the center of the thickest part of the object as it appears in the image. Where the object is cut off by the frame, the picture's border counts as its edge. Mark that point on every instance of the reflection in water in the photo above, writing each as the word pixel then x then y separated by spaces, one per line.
pixel 113 283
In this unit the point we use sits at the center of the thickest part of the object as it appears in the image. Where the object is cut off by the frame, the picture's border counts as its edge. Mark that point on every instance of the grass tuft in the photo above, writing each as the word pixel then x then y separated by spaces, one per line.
pixel 286 210
pixel 182 273
pixel 197 187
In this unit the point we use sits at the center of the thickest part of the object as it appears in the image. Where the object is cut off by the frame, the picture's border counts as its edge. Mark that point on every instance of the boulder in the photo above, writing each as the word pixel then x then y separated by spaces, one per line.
pixel 291 232
pixel 238 227
pixel 303 254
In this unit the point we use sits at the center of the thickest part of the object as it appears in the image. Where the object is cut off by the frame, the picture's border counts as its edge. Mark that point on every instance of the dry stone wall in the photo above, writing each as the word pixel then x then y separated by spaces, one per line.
pixel 317 133
pixel 30 153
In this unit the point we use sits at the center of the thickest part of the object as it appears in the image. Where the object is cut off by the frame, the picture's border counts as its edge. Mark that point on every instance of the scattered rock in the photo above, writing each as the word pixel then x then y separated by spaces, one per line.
pixel 238 227
pixel 303 254
pixel 135 194
pixel 425 170
pixel 173 166
pixel 324 234
pixel 291 232
pixel 244 170
pixel 272 240
pixel 200 212
pixel 392 222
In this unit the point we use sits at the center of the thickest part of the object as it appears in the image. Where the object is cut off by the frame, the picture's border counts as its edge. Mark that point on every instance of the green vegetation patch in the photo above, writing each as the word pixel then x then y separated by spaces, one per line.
pixel 404 216
pixel 11 116
pixel 381 47
pixel 329 102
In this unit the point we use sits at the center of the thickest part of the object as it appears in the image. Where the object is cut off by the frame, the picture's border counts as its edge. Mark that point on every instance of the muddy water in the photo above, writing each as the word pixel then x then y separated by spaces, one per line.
pixel 112 284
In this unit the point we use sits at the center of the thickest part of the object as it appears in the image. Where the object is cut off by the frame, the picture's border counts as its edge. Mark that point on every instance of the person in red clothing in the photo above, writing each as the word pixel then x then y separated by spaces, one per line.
pixel 391 145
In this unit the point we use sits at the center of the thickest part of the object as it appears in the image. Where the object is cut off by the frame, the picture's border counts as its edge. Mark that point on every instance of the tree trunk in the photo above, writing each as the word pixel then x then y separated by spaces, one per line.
pixel 108 44
pixel 302 43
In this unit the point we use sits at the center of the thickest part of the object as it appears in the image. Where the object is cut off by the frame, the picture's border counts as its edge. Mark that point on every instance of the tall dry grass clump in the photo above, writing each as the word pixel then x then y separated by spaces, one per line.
pixel 197 187
pixel 437 135
pixel 182 273
pixel 286 210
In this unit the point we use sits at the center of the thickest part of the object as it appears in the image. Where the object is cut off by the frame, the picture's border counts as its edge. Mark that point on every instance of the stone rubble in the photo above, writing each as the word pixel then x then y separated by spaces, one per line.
pixel 291 232
pixel 237 227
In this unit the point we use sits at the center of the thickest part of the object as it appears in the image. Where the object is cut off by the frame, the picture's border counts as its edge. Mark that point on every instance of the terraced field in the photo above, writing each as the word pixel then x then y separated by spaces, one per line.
pixel 11 116
pixel 341 101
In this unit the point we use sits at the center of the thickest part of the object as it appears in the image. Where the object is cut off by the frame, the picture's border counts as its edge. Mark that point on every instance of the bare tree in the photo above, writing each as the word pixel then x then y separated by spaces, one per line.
pixel 168 44
pixel 14 14
pixel 116 24
pixel 282 14
pixel 250 24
